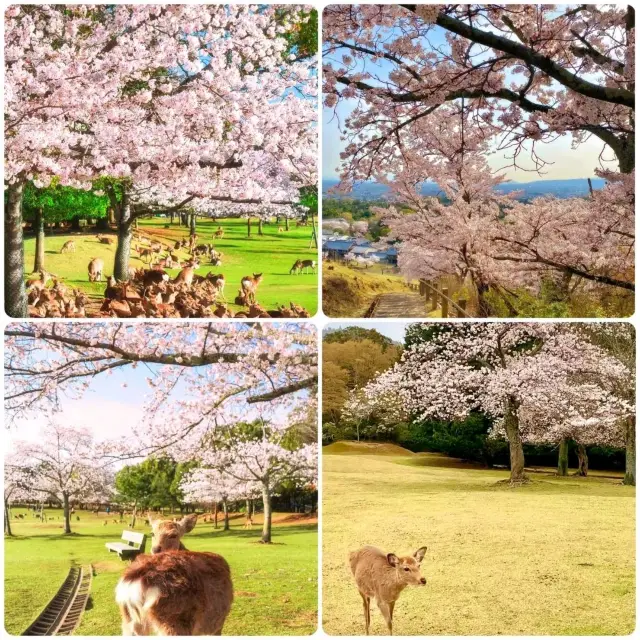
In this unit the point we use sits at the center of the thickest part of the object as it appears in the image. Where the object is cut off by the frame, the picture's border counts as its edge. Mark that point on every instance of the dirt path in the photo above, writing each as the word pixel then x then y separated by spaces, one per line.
pixel 400 305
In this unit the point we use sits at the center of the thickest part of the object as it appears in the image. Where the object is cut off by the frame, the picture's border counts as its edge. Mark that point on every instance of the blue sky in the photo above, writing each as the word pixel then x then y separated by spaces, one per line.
pixel 567 162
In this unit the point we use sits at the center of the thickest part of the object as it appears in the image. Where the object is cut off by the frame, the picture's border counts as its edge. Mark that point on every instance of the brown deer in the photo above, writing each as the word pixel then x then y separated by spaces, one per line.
pixel 96 267
pixel 308 264
pixel 248 522
pixel 219 234
pixel 186 274
pixel 297 265
pixel 106 240
pixel 384 576
pixel 175 592
pixel 250 286
pixel 68 247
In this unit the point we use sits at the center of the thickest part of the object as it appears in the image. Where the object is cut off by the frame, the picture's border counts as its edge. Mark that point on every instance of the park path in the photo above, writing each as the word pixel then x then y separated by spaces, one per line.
pixel 400 305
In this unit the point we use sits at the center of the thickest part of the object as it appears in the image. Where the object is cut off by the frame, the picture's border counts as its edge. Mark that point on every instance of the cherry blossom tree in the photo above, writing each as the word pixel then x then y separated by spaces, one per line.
pixel 503 370
pixel 248 459
pixel 64 463
pixel 169 106
pixel 18 483
pixel 506 78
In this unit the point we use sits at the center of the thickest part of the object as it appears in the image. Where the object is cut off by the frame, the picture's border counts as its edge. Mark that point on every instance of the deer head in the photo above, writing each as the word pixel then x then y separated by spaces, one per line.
pixel 408 567
pixel 167 533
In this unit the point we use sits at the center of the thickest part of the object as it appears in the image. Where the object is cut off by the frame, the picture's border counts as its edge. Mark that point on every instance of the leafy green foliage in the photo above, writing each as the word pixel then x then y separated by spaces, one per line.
pixel 63 203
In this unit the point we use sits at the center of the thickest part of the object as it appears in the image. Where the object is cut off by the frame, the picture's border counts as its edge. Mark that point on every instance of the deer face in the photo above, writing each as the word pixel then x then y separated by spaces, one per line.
pixel 167 533
pixel 408 567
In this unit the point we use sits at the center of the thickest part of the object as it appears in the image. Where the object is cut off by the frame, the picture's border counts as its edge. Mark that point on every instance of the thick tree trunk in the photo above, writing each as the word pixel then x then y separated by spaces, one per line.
pixel 172 217
pixel 260 227
pixel 192 222
pixel 266 501
pixel 123 250
pixel 516 453
pixel 15 297
pixel 583 460
pixel 7 520
pixel 111 216
pixel 630 452
pixel 38 263
pixel 286 224
pixel 248 508
pixel 563 457
pixel 67 513
pixel 225 508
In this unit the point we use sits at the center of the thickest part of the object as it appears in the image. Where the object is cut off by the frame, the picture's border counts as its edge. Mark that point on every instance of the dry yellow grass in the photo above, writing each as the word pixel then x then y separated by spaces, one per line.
pixel 554 557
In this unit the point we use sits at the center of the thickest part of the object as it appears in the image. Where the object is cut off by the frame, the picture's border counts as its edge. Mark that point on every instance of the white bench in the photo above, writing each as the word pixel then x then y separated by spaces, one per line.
pixel 134 543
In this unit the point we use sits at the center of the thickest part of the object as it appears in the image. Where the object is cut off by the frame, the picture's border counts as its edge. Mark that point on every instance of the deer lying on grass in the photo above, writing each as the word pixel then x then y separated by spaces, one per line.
pixel 174 592
pixel 249 286
pixel 106 240
pixel 383 576
pixel 96 267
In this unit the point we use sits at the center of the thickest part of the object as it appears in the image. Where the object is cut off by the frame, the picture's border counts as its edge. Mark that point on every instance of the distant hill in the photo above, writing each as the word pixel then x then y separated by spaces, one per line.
pixel 575 188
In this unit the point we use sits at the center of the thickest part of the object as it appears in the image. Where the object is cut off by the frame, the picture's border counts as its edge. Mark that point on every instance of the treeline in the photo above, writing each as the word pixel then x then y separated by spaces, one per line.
pixel 353 356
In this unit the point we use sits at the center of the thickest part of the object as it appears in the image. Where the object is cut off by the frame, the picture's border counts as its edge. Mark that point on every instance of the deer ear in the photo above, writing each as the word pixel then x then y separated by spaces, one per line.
pixel 188 523
pixel 419 554
pixel 393 559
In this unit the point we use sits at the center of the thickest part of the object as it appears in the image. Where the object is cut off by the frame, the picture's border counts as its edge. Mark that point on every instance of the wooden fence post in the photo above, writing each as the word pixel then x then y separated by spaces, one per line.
pixel 445 302
pixel 462 311
pixel 434 299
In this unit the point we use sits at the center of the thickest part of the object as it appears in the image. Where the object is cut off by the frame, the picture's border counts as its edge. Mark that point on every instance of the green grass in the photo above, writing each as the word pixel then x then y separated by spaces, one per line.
pixel 272 254
pixel 275 585
pixel 554 557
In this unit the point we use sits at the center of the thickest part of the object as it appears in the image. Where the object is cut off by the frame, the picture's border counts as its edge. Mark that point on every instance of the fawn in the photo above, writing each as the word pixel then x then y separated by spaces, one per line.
pixel 383 576
pixel 174 592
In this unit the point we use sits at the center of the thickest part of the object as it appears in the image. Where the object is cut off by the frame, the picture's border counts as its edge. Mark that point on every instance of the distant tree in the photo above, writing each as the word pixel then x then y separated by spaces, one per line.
pixel 133 486
pixel 357 333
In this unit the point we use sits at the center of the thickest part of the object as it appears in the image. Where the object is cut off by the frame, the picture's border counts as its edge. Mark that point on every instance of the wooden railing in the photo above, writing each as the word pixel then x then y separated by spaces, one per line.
pixel 436 295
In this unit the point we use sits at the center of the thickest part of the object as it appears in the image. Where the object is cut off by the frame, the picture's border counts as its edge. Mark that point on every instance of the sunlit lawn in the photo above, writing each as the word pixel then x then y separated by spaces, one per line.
pixel 275 585
pixel 553 557
pixel 272 254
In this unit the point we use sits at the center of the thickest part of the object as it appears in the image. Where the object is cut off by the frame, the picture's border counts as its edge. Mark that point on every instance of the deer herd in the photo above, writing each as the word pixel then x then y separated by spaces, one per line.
pixel 152 292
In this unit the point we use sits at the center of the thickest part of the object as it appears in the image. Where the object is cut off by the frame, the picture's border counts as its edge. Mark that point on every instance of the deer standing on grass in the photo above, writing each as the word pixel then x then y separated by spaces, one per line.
pixel 250 286
pixel 68 247
pixel 174 592
pixel 96 267
pixel 219 234
pixel 384 576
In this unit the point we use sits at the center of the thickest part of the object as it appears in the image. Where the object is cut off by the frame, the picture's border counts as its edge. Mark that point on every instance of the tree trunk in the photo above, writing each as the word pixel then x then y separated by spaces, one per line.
pixel 516 453
pixel 583 460
pixel 266 501
pixel 192 222
pixel 286 224
pixel 225 508
pixel 260 227
pixel 630 452
pixel 67 512
pixel 314 235
pixel 7 519
pixel 123 250
pixel 134 514
pixel 248 227
pixel 172 217
pixel 563 457
pixel 75 223
pixel 111 216
pixel 215 515
pixel 38 263
pixel 15 297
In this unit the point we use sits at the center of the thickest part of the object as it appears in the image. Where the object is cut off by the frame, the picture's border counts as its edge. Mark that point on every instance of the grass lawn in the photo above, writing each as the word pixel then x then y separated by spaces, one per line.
pixel 272 254
pixel 275 585
pixel 348 292
pixel 554 557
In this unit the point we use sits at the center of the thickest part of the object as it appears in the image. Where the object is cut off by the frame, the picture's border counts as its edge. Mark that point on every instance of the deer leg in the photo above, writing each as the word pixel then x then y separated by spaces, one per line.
pixel 387 614
pixel 366 601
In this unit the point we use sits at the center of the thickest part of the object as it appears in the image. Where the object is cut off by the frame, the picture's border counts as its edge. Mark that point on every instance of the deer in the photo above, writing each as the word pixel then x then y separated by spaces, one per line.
pixel 297 265
pixel 219 234
pixel 186 274
pixel 174 592
pixel 96 267
pixel 384 576
pixel 68 247
pixel 105 240
pixel 248 522
pixel 249 286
